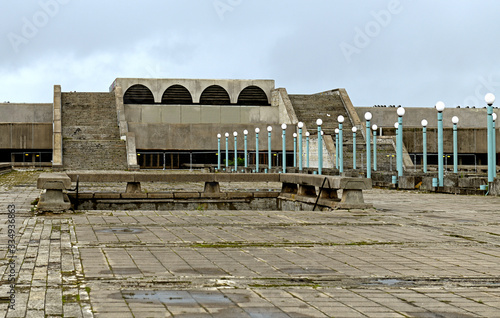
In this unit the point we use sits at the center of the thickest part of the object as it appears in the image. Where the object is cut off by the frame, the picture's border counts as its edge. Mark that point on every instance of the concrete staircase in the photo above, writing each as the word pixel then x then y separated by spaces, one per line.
pixel 308 108
pixel 91 137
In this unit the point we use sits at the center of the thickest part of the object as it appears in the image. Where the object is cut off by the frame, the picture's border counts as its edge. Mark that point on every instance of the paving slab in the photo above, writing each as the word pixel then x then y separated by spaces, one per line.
pixel 413 255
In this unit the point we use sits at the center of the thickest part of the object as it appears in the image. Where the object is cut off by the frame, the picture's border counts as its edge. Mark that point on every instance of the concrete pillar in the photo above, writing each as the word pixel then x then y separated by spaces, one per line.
pixel 133 187
pixel 212 187
pixel 57 146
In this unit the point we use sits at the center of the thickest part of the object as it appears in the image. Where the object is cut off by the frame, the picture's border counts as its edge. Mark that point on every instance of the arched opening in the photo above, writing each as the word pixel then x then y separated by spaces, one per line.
pixel 176 94
pixel 253 95
pixel 138 94
pixel 215 95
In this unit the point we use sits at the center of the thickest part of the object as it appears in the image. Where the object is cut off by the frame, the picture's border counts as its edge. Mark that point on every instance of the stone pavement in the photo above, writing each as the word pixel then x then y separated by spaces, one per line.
pixel 415 255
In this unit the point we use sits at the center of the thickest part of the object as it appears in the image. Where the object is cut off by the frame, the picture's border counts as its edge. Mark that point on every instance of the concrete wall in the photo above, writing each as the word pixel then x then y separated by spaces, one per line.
pixel 25 113
pixel 387 116
pixel 194 86
pixel 469 140
pixel 204 136
pixel 26 135
pixel 196 114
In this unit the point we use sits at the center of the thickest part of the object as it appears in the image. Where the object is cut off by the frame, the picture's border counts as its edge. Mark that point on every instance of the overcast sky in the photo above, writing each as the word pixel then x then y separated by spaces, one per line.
pixel 412 53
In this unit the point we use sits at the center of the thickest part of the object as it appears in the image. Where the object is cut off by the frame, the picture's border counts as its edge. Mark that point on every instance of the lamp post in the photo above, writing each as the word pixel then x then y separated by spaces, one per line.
pixel 454 120
pixel 374 128
pixel 368 117
pixel 300 125
pixel 294 150
pixel 235 134
pixel 340 119
pixel 269 158
pixel 319 122
pixel 396 126
pixel 283 128
pixel 354 129
pixel 257 130
pixel 401 112
pixel 494 142
pixel 227 150
pixel 440 107
pixel 424 142
pixel 218 151
pixel 490 99
pixel 307 149
pixel 337 148
pixel 245 133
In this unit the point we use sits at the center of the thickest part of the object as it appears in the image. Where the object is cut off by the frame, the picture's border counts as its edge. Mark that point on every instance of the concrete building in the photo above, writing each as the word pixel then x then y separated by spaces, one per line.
pixel 173 123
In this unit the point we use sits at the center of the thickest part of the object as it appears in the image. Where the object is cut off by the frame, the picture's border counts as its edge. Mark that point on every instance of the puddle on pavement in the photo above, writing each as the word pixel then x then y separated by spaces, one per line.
pixel 176 297
pixel 121 230
pixel 389 282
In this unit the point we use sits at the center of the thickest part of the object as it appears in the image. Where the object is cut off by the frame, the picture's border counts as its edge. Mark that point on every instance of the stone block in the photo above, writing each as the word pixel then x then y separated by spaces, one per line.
pixel 186 195
pixel 134 195
pixel 239 195
pixel 267 194
pixel 211 187
pixel 406 182
pixel 133 187
pixel 53 200
pixel 56 181
pixel 106 195
pixel 160 195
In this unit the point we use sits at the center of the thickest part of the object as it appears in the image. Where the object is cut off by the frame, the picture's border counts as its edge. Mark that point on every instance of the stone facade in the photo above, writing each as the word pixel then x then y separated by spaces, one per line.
pixel 91 137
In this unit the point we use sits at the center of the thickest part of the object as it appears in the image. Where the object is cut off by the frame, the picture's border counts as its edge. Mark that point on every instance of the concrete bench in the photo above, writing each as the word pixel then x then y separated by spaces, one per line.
pixel 134 179
pixel 311 189
pixel 53 198
pixel 303 187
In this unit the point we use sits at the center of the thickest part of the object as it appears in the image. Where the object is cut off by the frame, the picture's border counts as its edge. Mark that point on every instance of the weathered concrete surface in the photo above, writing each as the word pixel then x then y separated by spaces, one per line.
pixel 53 199
pixel 416 255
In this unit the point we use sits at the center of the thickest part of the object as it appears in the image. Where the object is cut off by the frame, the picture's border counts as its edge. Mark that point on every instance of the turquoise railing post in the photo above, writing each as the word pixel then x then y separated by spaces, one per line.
pixel 424 142
pixel 490 99
pixel 374 128
pixel 455 144
pixel 494 142
pixel 218 151
pixel 337 148
pixel 269 158
pixel 319 122
pixel 440 107
pixel 283 128
pixel 257 130
pixel 235 134
pixel 340 119
pixel 227 150
pixel 300 125
pixel 368 117
pixel 354 129
pixel 307 149
pixel 401 112
pixel 245 133
pixel 294 150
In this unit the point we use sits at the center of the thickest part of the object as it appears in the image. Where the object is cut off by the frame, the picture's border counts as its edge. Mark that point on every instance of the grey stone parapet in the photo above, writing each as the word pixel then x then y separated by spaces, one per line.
pixel 296 187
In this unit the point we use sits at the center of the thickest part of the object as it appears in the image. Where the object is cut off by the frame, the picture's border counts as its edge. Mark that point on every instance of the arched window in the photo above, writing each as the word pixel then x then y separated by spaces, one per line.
pixel 176 94
pixel 215 95
pixel 138 94
pixel 253 95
